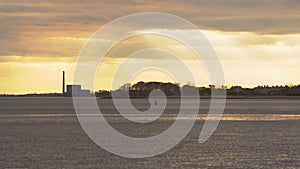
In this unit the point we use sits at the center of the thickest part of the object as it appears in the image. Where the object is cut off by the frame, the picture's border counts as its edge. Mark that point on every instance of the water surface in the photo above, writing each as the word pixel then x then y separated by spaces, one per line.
pixel 253 133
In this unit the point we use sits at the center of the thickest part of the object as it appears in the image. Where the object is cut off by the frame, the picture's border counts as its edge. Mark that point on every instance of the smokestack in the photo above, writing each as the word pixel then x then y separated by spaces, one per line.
pixel 63 81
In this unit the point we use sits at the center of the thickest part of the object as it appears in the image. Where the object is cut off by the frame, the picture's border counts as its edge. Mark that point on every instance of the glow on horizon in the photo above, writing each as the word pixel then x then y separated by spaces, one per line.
pixel 249 59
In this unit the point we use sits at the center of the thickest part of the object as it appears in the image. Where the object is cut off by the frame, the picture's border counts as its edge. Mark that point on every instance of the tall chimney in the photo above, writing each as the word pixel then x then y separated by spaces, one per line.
pixel 63 81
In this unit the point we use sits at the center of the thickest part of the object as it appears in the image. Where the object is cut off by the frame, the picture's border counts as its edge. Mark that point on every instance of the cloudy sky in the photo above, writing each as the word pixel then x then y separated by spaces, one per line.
pixel 257 41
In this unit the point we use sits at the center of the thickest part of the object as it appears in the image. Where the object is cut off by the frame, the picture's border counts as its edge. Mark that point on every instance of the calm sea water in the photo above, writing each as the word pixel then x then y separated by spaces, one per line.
pixel 253 133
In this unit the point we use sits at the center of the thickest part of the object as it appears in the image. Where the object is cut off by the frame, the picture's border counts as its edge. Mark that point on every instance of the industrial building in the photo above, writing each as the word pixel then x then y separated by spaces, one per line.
pixel 74 90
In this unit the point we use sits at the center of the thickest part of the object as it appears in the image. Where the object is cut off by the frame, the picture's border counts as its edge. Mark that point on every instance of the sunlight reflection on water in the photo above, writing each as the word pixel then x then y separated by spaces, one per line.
pixel 171 117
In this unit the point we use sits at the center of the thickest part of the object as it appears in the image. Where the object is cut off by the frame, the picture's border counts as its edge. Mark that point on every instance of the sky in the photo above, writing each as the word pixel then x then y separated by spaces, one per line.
pixel 257 41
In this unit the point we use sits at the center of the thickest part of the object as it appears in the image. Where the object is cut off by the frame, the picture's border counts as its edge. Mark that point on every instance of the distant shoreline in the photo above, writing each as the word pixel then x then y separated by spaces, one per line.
pixel 262 97
pixel 169 97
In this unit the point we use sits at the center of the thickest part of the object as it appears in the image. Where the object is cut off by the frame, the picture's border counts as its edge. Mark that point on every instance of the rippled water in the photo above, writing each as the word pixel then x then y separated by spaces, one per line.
pixel 253 133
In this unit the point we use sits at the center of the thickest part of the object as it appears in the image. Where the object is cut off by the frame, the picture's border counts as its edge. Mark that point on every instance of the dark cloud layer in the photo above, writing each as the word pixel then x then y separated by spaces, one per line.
pixel 23 23
pixel 237 13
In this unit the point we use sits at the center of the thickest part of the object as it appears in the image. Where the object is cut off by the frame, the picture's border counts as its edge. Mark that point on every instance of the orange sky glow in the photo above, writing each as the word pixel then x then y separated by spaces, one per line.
pixel 258 42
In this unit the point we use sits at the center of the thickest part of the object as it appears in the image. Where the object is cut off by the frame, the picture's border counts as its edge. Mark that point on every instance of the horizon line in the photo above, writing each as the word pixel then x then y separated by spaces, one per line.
pixel 290 85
